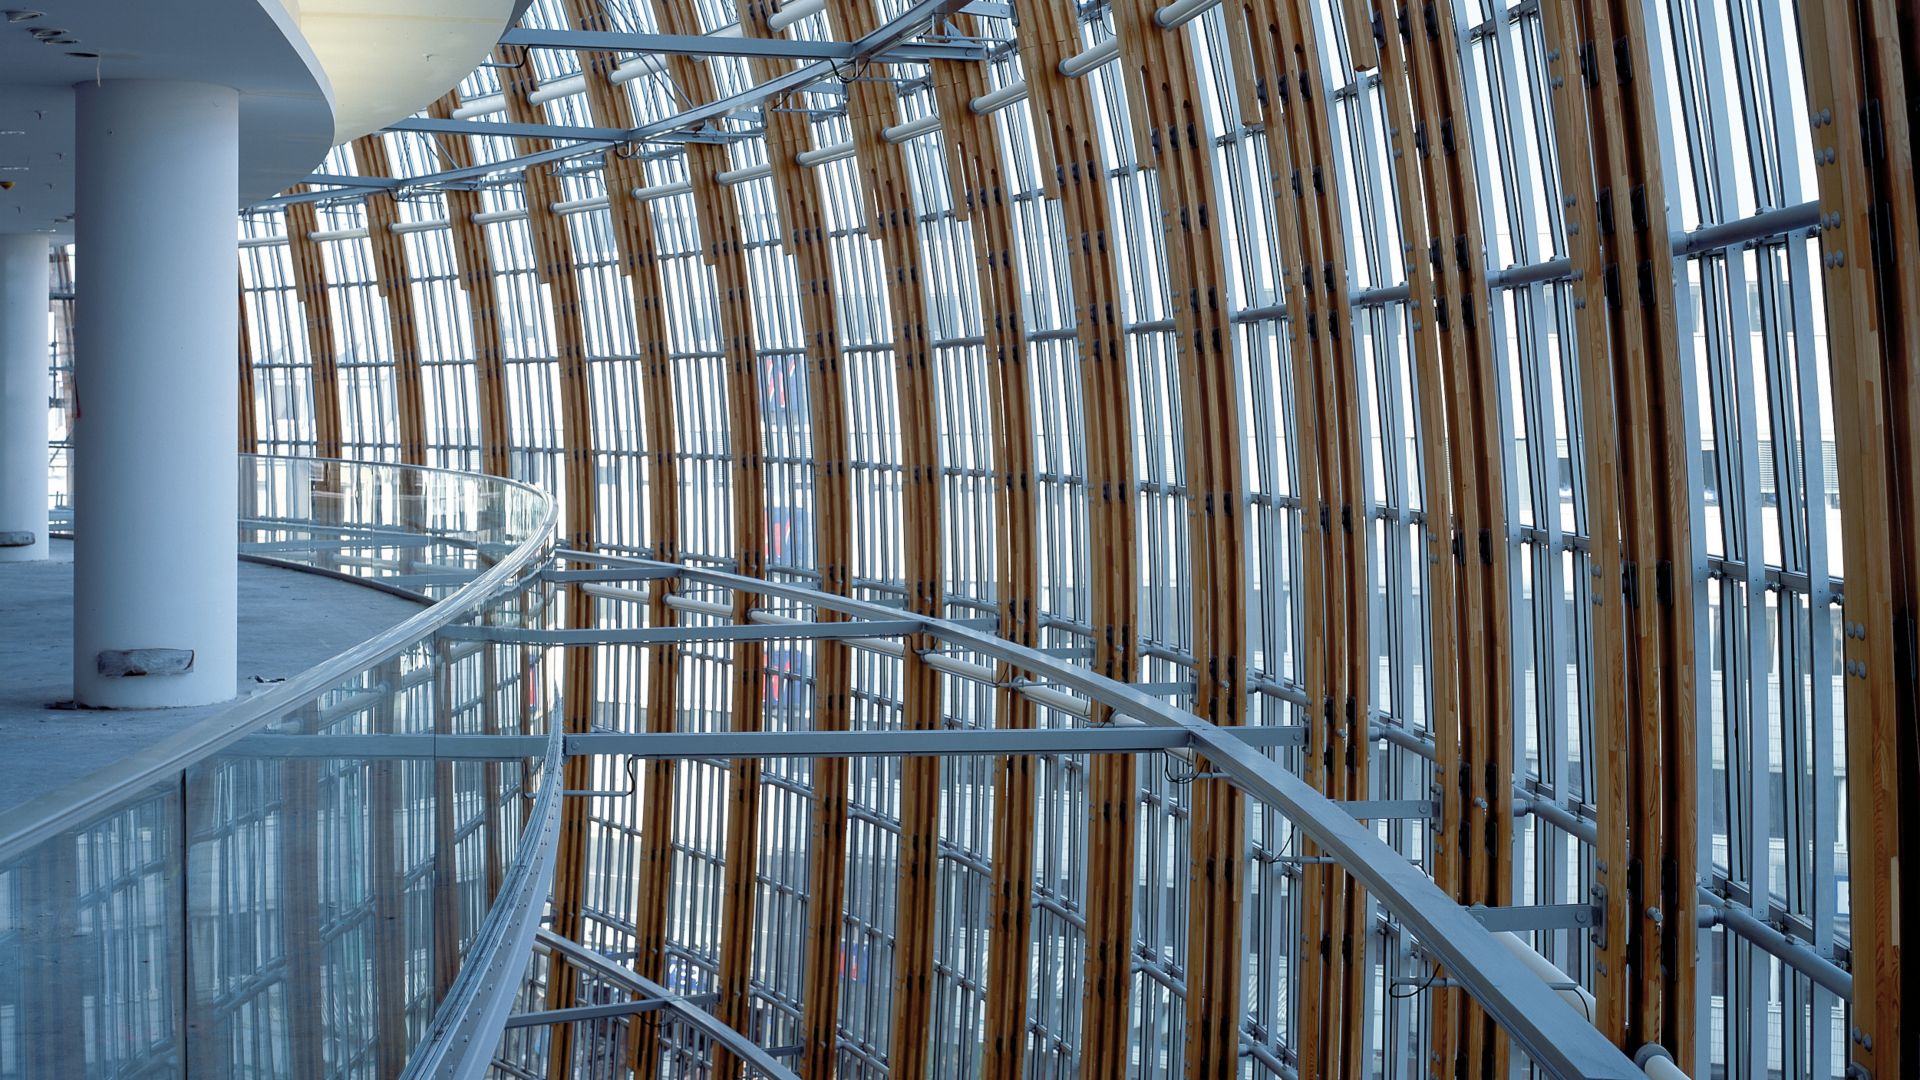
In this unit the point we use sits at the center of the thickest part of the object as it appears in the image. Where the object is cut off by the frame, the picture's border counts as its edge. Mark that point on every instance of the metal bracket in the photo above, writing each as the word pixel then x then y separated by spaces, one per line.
pixel 1539 917
pixel 1370 809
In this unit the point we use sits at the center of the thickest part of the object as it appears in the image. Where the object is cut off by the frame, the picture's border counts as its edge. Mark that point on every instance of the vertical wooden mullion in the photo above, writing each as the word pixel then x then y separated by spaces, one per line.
pixel 1162 91
pixel 1066 137
pixel 395 284
pixel 975 178
pixel 310 276
pixel 723 241
pixel 1440 460
pixel 1600 426
pixel 553 260
pixel 475 263
pixel 1266 85
pixel 248 426
pixel 1855 93
pixel 633 233
pixel 891 217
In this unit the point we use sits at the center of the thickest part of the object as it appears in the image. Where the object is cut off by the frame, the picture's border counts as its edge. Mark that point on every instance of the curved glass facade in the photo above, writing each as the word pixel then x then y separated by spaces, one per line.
pixel 1470 387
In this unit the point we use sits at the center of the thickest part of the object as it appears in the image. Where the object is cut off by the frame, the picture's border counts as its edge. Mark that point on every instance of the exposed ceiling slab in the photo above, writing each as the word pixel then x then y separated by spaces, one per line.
pixel 255 46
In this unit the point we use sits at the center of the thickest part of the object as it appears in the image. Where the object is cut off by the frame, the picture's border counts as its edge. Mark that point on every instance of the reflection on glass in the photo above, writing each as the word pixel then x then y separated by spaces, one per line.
pixel 297 903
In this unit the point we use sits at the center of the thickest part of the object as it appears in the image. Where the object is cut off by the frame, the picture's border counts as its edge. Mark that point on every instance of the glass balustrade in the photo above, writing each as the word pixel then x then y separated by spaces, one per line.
pixel 273 892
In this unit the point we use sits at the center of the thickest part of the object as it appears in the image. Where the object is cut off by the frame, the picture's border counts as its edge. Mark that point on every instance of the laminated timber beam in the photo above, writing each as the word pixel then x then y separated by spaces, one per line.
pixel 805 235
pixel 1647 794
pixel 887 198
pixel 310 278
pixel 394 282
pixel 724 242
pixel 1600 422
pixel 249 427
pixel 1463 471
pixel 477 283
pixel 633 230
pixel 977 181
pixel 1857 58
pixel 1157 73
pixel 1278 78
pixel 552 245
pixel 1067 142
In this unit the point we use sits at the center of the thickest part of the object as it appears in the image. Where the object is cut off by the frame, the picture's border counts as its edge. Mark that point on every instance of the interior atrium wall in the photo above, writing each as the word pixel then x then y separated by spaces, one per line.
pixel 1430 379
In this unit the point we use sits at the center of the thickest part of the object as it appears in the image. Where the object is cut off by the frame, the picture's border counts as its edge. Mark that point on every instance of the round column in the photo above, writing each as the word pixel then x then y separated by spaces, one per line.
pixel 23 397
pixel 156 330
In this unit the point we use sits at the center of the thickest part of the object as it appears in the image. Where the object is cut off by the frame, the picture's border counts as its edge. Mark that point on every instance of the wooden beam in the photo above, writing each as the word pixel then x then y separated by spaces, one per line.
pixel 1065 132
pixel 1162 86
pixel 310 279
pixel 394 281
pixel 475 261
pixel 553 264
pixel 1600 428
pixel 976 184
pixel 1855 57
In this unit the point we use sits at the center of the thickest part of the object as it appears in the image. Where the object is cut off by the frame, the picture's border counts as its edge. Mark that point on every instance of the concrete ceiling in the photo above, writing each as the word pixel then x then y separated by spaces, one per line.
pixel 311 73
pixel 286 99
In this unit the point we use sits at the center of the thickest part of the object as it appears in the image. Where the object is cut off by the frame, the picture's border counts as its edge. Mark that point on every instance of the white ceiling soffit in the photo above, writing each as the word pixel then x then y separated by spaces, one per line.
pixel 388 59
pixel 47 46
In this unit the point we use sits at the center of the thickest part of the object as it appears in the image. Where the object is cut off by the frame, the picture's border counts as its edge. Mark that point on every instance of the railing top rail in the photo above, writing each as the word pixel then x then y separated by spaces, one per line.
pixel 1556 1038
pixel 742 1047
pixel 81 801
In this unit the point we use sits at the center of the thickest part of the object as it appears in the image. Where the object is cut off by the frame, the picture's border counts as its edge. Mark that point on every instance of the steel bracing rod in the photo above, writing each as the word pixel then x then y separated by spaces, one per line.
pixel 680 635
pixel 749 1052
pixel 752 47
pixel 517 163
pixel 881 43
pixel 1556 1038
pixel 506 129
pixel 1117 739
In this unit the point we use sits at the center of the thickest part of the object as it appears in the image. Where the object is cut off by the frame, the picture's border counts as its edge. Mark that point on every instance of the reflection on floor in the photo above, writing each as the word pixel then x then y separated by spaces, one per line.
pixel 289 621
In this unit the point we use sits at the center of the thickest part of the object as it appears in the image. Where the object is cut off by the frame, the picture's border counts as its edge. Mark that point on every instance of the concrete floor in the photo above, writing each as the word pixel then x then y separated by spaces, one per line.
pixel 289 622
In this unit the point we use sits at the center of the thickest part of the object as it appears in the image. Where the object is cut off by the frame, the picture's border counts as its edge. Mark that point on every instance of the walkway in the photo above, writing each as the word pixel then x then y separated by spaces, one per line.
pixel 289 621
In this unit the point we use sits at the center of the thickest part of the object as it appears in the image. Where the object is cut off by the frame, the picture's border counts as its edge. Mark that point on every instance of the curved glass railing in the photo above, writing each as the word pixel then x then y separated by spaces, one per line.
pixel 293 886
pixel 584 1011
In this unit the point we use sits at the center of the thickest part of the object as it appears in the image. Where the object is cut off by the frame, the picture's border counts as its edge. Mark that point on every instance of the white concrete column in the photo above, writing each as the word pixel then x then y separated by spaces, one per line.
pixel 23 397
pixel 156 331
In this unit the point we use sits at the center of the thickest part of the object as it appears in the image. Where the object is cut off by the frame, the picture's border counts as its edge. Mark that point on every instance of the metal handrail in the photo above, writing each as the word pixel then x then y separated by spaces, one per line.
pixel 737 1043
pixel 466 1026
pixel 77 803
pixel 1554 1037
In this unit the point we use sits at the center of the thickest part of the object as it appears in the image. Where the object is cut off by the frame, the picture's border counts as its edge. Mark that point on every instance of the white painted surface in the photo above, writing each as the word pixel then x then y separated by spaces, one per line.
pixel 157 330
pixel 23 393
pixel 388 59
pixel 255 46
pixel 1563 984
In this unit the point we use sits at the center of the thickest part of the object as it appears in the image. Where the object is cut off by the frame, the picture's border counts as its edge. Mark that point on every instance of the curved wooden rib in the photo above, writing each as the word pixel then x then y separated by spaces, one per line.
pixel 977 184
pixel 1162 90
pixel 483 318
pixel 1066 139
pixel 553 263
pixel 1857 95
pixel 310 276
pixel 724 242
pixel 887 194
pixel 396 288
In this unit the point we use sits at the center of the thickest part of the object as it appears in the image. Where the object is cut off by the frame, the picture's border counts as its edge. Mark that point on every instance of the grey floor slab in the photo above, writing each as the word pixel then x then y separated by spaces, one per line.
pixel 289 621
